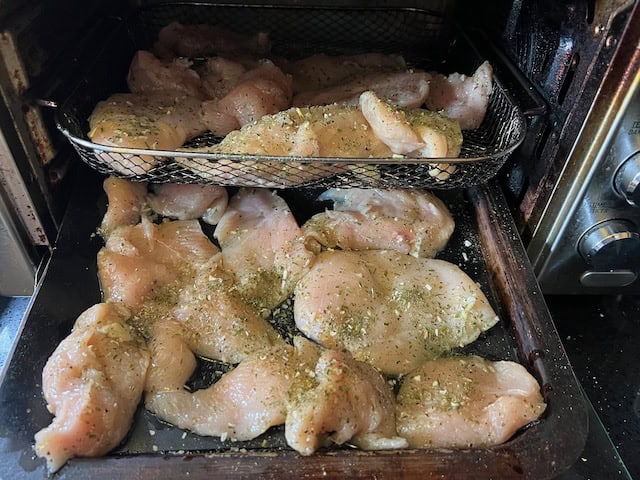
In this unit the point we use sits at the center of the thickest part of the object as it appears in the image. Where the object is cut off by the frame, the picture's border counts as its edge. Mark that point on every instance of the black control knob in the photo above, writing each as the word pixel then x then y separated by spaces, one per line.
pixel 611 245
pixel 627 179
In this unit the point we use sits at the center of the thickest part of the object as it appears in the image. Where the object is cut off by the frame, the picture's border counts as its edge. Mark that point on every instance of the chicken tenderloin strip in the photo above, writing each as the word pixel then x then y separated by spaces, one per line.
pixel 322 71
pixel 92 383
pixel 202 40
pixel 462 98
pixel 407 89
pixel 150 75
pixel 242 404
pixel 125 201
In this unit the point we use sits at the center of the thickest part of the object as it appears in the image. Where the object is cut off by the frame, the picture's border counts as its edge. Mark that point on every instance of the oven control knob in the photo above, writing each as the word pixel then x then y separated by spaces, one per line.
pixel 627 179
pixel 611 245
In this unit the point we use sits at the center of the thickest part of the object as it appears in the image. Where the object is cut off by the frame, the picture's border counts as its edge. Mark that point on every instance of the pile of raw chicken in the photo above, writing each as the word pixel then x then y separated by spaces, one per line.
pixel 370 304
pixel 350 106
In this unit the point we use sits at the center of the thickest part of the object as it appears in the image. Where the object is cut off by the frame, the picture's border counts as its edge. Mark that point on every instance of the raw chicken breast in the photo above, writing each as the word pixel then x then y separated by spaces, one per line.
pixel 241 405
pixel 390 309
pixel 93 383
pixel 219 323
pixel 125 201
pixel 202 40
pixel 409 221
pixel 466 402
pixel 462 98
pixel 189 201
pixel 146 260
pixel 404 89
pixel 262 247
pixel 150 75
pixel 159 122
pixel 321 71
pixel 344 400
pixel 259 92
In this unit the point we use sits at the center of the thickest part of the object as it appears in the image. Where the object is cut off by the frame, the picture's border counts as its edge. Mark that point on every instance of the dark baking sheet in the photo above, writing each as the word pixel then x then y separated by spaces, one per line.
pixel 155 449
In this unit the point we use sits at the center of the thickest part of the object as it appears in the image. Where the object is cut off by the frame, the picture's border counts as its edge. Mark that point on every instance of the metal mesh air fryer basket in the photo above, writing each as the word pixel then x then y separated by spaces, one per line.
pixel 296 32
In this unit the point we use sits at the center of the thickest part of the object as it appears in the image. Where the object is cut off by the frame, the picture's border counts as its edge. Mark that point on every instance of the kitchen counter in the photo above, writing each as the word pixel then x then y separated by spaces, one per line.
pixel 601 335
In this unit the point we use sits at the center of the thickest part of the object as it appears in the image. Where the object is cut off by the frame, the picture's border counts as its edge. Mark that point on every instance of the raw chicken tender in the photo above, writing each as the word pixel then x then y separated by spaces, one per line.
pixel 125 202
pixel 146 260
pixel 259 92
pixel 466 402
pixel 344 400
pixel 158 122
pixel 409 221
pixel 404 89
pixel 93 383
pixel 241 405
pixel 150 75
pixel 262 247
pixel 219 75
pixel 411 132
pixel 203 40
pixel 189 201
pixel 321 71
pixel 390 309
pixel 462 98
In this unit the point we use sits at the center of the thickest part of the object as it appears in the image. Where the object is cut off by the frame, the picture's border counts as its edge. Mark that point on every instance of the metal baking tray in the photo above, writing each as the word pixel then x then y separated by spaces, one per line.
pixel 422 37
pixel 485 244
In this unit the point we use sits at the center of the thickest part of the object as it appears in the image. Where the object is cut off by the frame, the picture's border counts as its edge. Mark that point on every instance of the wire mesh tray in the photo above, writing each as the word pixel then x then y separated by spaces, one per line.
pixel 296 32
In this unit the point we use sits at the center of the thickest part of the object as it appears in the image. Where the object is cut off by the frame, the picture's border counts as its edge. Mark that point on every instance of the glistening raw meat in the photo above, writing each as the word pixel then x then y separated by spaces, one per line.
pixel 390 309
pixel 341 400
pixel 414 222
pixel 93 383
pixel 466 402
pixel 145 121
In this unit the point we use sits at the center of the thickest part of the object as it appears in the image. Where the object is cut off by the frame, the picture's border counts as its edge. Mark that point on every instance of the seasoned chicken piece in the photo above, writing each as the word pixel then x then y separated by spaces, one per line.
pixel 262 247
pixel 390 309
pixel 189 201
pixel 321 71
pixel 462 98
pixel 203 40
pixel 343 400
pixel 241 405
pixel 409 221
pixel 150 75
pixel 93 383
pixel 412 132
pixel 142 261
pixel 220 324
pixel 376 130
pixel 125 202
pixel 404 89
pixel 258 92
pixel 466 402
pixel 158 121
pixel 219 75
